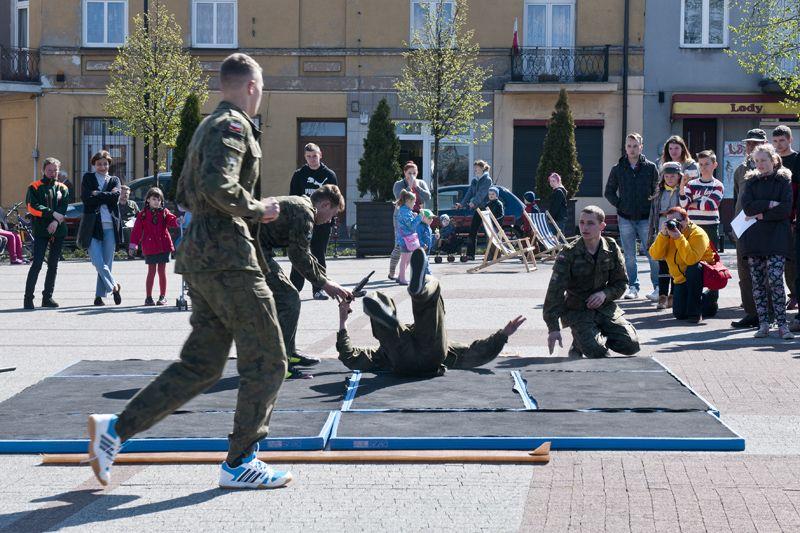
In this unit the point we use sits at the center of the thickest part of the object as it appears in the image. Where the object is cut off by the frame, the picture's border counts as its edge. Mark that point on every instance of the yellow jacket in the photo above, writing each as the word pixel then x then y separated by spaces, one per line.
pixel 690 249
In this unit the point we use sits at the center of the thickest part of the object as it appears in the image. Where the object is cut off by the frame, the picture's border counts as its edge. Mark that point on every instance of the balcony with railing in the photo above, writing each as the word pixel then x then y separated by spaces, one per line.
pixel 560 65
pixel 19 65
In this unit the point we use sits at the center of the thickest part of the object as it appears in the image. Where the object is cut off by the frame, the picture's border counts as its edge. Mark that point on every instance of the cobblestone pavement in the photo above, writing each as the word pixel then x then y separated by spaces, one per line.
pixel 753 382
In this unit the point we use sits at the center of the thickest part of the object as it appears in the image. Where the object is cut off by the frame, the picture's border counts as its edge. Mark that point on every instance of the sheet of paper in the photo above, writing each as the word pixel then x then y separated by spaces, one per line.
pixel 739 225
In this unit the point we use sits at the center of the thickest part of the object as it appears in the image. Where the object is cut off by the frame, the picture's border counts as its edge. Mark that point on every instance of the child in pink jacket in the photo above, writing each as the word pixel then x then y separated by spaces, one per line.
pixel 151 230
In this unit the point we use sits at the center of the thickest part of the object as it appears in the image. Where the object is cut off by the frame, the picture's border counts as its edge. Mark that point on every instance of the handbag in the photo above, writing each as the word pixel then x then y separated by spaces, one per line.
pixel 715 274
pixel 411 242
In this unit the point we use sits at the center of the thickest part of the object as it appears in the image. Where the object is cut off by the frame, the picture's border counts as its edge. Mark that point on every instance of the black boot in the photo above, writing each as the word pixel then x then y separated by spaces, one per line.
pixel 99 301
pixel 746 322
pixel 28 303
pixel 47 301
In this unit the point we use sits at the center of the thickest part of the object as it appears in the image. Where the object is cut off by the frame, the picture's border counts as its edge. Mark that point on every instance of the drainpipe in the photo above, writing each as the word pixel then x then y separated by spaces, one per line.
pixel 35 153
pixel 625 44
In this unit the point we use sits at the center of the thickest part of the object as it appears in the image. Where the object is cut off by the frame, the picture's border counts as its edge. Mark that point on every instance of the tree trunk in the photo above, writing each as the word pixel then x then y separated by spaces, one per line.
pixel 435 179
pixel 154 158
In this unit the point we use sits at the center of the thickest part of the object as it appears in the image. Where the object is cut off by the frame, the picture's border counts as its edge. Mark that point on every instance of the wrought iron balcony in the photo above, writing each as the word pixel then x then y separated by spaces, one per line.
pixel 19 65
pixel 560 65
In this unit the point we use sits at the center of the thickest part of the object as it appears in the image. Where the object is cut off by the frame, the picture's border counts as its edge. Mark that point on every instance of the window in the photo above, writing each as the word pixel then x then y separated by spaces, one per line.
pixel 549 23
pixel 105 23
pixel 214 24
pixel 21 24
pixel 704 23
pixel 95 134
pixel 421 9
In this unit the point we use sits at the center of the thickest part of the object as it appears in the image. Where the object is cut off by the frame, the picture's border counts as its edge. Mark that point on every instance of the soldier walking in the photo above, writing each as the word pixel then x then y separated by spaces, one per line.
pixel 293 230
pixel 587 277
pixel 222 266
pixel 420 349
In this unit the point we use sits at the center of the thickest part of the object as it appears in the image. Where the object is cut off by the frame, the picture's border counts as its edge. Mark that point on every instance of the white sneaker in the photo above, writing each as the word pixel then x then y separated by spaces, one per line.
pixel 653 296
pixel 320 295
pixel 253 473
pixel 104 444
pixel 631 294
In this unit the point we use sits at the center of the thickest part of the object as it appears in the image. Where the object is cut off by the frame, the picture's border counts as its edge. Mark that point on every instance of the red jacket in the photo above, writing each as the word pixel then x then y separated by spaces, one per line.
pixel 154 238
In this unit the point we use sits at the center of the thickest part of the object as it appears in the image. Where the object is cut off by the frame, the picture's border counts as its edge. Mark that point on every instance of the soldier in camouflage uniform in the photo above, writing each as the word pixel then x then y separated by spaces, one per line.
pixel 292 231
pixel 420 349
pixel 222 265
pixel 587 277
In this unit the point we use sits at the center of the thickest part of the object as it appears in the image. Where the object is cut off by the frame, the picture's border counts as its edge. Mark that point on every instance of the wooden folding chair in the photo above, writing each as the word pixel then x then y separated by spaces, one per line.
pixel 547 234
pixel 500 248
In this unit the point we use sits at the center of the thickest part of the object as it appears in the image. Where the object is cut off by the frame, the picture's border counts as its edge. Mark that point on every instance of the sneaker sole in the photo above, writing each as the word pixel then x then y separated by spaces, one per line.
pixel 94 462
pixel 417 282
pixel 379 314
pixel 257 487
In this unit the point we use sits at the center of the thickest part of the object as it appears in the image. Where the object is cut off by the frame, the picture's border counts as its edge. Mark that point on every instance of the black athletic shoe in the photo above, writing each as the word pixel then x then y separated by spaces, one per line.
pixel 149 301
pixel 99 301
pixel 746 322
pixel 574 353
pixel 380 312
pixel 417 282
pixel 299 359
pixel 116 294
pixel 295 373
pixel 49 302
pixel 28 304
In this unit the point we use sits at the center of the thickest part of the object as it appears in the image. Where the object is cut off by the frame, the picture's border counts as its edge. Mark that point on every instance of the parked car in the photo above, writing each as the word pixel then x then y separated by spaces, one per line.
pixel 449 195
pixel 139 188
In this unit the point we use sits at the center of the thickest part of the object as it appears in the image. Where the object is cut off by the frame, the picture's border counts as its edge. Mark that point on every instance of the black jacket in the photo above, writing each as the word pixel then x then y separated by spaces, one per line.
pixel 769 236
pixel 92 203
pixel 558 205
pixel 305 181
pixel 630 189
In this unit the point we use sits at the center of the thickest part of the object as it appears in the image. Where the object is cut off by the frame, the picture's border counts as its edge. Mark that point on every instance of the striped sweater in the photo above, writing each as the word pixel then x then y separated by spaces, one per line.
pixel 701 200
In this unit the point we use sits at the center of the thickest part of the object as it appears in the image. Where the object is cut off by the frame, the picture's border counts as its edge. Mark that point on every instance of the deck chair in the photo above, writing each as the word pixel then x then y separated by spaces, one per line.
pixel 547 234
pixel 500 248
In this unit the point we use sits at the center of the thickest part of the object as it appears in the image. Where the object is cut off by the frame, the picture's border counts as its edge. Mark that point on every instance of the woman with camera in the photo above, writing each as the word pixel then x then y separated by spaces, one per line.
pixel 767 199
pixel 683 245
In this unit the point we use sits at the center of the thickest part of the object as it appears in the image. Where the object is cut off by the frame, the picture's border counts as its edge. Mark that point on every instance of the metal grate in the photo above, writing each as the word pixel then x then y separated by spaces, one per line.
pixel 95 134
pixel 19 64
pixel 560 65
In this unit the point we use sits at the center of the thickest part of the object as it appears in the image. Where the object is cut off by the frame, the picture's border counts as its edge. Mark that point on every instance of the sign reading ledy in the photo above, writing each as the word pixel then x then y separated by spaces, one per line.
pixel 740 106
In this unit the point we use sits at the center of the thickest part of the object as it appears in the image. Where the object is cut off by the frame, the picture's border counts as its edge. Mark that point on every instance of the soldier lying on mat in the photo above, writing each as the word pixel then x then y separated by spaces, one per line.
pixel 588 276
pixel 419 349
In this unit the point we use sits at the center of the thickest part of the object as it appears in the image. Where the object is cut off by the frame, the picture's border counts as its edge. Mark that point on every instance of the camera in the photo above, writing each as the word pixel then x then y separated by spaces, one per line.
pixel 672 225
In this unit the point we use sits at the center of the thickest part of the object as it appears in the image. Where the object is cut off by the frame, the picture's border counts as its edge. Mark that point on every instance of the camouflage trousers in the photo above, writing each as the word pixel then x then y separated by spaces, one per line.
pixel 287 303
pixel 594 334
pixel 227 306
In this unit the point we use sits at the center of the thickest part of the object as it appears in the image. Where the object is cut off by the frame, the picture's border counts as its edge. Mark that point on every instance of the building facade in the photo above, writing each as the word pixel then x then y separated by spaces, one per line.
pixel 694 89
pixel 326 65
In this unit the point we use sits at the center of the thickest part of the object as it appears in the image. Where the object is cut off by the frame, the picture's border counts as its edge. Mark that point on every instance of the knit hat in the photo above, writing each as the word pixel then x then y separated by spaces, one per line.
pixel 529 197
pixel 671 167
pixel 444 218
pixel 427 213
pixel 494 190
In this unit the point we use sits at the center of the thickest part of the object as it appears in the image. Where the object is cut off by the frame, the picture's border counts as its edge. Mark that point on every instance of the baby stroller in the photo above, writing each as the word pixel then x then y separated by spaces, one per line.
pixel 448 243
pixel 181 303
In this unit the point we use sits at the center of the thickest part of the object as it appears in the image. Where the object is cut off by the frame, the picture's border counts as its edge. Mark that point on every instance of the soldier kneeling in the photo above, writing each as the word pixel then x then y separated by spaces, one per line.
pixel 587 277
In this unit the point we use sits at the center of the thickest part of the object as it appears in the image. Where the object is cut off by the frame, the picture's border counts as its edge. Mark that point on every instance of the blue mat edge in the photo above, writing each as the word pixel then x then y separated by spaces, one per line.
pixel 174 445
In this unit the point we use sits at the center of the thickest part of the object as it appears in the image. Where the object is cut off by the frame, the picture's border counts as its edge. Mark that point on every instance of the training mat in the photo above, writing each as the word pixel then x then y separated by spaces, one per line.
pixel 57 433
pixel 518 430
pixel 563 364
pixel 610 390
pixel 476 389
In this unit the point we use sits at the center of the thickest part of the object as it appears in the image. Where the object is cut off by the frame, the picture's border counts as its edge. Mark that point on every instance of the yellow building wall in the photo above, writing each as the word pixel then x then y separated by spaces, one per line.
pixel 17 139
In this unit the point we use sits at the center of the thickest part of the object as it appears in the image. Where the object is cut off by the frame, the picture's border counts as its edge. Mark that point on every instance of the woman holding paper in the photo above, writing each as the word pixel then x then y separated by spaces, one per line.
pixel 767 199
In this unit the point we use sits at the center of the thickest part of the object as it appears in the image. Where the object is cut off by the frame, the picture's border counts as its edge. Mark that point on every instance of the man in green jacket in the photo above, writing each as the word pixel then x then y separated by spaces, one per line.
pixel 47 201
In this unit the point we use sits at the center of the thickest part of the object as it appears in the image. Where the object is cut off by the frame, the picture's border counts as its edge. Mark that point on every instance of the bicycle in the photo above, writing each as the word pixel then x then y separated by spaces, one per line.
pixel 12 220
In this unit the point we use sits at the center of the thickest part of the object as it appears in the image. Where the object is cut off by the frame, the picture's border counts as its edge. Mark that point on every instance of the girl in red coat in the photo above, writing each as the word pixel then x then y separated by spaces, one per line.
pixel 151 230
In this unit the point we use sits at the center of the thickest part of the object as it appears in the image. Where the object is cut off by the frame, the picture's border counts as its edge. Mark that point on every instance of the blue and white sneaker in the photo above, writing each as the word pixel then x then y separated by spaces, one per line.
pixel 104 444
pixel 379 311
pixel 253 473
pixel 419 263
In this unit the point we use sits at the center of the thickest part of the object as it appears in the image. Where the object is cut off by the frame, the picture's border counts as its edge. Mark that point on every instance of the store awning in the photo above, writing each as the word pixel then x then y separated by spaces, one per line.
pixel 730 106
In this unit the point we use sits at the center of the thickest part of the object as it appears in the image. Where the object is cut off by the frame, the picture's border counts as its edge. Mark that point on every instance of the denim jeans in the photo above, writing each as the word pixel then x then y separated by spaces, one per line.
pixel 39 248
pixel 629 230
pixel 102 256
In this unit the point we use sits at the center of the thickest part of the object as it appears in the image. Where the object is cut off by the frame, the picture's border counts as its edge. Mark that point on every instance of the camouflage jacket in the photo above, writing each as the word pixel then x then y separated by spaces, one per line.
pixel 577 275
pixel 218 185
pixel 292 230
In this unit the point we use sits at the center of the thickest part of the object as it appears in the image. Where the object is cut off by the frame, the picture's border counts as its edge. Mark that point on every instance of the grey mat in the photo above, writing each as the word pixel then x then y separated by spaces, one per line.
pixel 456 390
pixel 564 364
pixel 153 367
pixel 610 390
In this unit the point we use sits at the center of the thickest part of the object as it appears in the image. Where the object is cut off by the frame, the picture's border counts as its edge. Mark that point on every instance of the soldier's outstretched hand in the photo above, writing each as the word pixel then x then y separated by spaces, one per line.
pixel 513 325
pixel 551 340
pixel 334 290
pixel 272 210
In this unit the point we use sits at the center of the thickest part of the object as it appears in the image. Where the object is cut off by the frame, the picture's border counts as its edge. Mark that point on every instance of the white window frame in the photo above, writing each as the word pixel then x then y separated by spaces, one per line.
pixel 705 23
pixel 411 28
pixel 235 43
pixel 16 5
pixel 548 17
pixel 105 43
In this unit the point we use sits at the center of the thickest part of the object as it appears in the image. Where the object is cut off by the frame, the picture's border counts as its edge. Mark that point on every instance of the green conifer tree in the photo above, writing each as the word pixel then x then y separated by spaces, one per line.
pixel 380 167
pixel 559 153
pixel 190 119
